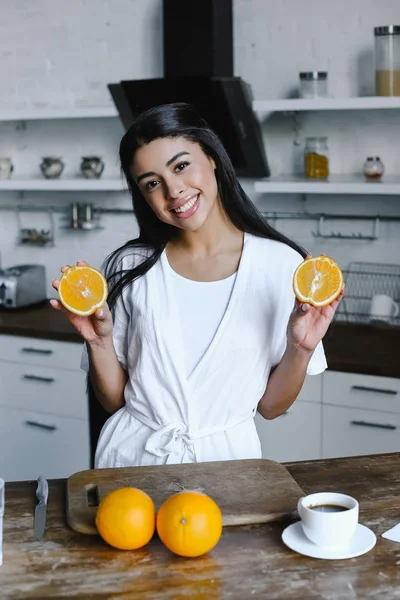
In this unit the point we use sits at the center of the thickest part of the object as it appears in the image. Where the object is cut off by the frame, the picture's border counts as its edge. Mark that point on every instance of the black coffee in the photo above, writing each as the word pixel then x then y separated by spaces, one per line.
pixel 329 508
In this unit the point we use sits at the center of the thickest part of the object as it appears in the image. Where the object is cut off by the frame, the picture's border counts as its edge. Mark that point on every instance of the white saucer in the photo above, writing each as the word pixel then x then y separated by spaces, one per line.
pixel 362 541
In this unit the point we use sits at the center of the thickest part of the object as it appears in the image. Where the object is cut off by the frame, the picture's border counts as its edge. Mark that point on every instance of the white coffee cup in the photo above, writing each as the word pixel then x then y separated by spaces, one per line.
pixel 329 519
pixel 383 308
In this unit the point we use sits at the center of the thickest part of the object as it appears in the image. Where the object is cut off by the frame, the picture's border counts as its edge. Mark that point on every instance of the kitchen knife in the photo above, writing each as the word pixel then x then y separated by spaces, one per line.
pixel 42 493
pixel 1 518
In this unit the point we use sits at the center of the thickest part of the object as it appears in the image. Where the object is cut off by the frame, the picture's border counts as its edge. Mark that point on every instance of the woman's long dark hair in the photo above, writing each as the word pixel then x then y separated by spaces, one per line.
pixel 172 120
pixel 178 120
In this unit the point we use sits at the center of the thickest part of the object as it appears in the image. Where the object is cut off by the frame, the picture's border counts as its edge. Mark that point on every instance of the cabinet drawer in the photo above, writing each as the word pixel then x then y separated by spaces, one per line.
pixel 312 389
pixel 295 435
pixel 53 391
pixel 43 353
pixel 354 432
pixel 33 444
pixel 361 391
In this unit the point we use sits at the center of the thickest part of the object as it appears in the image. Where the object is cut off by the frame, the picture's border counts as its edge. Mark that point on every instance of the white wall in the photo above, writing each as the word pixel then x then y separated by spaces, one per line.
pixel 63 54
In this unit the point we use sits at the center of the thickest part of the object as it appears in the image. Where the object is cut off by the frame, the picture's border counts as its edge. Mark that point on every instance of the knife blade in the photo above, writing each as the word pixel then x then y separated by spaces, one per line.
pixel 42 493
pixel 1 518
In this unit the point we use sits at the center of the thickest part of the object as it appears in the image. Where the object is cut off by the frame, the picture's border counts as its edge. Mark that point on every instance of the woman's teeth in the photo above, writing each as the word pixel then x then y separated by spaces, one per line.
pixel 186 206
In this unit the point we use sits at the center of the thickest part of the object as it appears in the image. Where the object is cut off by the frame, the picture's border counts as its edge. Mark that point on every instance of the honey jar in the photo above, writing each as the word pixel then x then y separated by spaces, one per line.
pixel 316 158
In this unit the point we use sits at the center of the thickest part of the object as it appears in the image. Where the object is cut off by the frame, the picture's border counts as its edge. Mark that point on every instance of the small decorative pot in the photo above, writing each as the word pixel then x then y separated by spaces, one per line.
pixel 92 167
pixel 51 167
pixel 6 167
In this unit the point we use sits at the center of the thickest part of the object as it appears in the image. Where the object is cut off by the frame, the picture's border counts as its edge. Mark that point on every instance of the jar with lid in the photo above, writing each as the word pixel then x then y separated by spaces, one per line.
pixel 316 158
pixel 387 60
pixel 373 168
pixel 313 84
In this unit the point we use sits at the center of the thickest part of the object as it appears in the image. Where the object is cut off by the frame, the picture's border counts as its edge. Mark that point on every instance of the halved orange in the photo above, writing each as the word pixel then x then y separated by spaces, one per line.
pixel 82 290
pixel 318 281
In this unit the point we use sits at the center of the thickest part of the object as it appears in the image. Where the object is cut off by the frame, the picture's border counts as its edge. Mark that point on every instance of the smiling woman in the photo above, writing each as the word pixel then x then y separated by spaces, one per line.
pixel 201 328
pixel 180 181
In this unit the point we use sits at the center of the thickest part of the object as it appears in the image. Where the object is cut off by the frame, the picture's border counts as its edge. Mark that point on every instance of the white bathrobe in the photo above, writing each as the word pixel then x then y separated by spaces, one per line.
pixel 171 418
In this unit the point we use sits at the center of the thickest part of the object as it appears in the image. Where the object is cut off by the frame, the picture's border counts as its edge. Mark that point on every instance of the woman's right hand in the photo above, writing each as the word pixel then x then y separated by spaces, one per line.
pixel 96 328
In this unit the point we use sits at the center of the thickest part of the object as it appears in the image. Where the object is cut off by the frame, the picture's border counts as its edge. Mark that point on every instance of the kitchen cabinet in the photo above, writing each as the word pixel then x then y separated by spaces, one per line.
pixel 360 414
pixel 40 352
pixel 336 415
pixel 366 392
pixel 44 423
pixel 355 432
pixel 44 389
pixel 34 443
pixel 295 435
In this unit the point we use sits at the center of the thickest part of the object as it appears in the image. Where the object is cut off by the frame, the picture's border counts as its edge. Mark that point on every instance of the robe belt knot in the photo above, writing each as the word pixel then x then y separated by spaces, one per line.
pixel 175 439
pixel 171 439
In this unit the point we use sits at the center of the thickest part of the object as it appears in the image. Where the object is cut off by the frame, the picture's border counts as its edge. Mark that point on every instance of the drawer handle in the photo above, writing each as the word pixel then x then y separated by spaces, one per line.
pixel 40 425
pixel 38 378
pixel 376 425
pixel 37 351
pixel 364 388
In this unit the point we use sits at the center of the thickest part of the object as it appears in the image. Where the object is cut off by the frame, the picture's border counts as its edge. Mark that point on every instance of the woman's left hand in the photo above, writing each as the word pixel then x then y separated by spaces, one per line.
pixel 308 324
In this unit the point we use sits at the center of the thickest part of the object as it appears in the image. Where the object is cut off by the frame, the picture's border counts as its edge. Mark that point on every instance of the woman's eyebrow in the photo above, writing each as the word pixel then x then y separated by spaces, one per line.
pixel 144 175
pixel 171 160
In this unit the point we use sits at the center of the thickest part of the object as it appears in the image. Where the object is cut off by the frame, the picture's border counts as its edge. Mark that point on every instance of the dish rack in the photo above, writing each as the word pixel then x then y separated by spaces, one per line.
pixel 364 280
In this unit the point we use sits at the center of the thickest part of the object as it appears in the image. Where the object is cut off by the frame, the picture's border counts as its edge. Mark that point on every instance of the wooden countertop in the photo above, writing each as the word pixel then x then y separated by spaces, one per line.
pixel 349 347
pixel 248 562
pixel 40 321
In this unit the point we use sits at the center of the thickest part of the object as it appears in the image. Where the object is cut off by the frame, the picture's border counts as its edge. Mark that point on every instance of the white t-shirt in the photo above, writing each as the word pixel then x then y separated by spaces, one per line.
pixel 201 305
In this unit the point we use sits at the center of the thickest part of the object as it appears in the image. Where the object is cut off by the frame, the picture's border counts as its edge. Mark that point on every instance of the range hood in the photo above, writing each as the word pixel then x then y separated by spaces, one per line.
pixel 198 68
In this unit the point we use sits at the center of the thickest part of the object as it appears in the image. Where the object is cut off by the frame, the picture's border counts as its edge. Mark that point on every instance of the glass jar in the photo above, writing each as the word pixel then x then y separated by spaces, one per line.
pixel 316 158
pixel 313 84
pixel 387 60
pixel 373 168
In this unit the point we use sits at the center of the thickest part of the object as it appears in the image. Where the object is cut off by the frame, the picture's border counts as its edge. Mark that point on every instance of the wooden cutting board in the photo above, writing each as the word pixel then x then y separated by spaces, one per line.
pixel 247 491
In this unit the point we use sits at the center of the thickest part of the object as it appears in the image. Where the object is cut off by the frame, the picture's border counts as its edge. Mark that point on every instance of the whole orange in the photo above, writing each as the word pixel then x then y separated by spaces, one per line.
pixel 189 523
pixel 126 518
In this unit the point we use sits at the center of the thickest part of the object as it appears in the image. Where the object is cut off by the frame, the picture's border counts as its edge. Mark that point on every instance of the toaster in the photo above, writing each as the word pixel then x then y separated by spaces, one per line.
pixel 22 285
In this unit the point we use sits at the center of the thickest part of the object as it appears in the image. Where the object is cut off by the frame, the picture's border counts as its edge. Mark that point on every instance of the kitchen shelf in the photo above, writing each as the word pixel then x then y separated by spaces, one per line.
pixel 336 184
pixel 62 185
pixel 265 107
pixel 259 106
pixel 64 113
